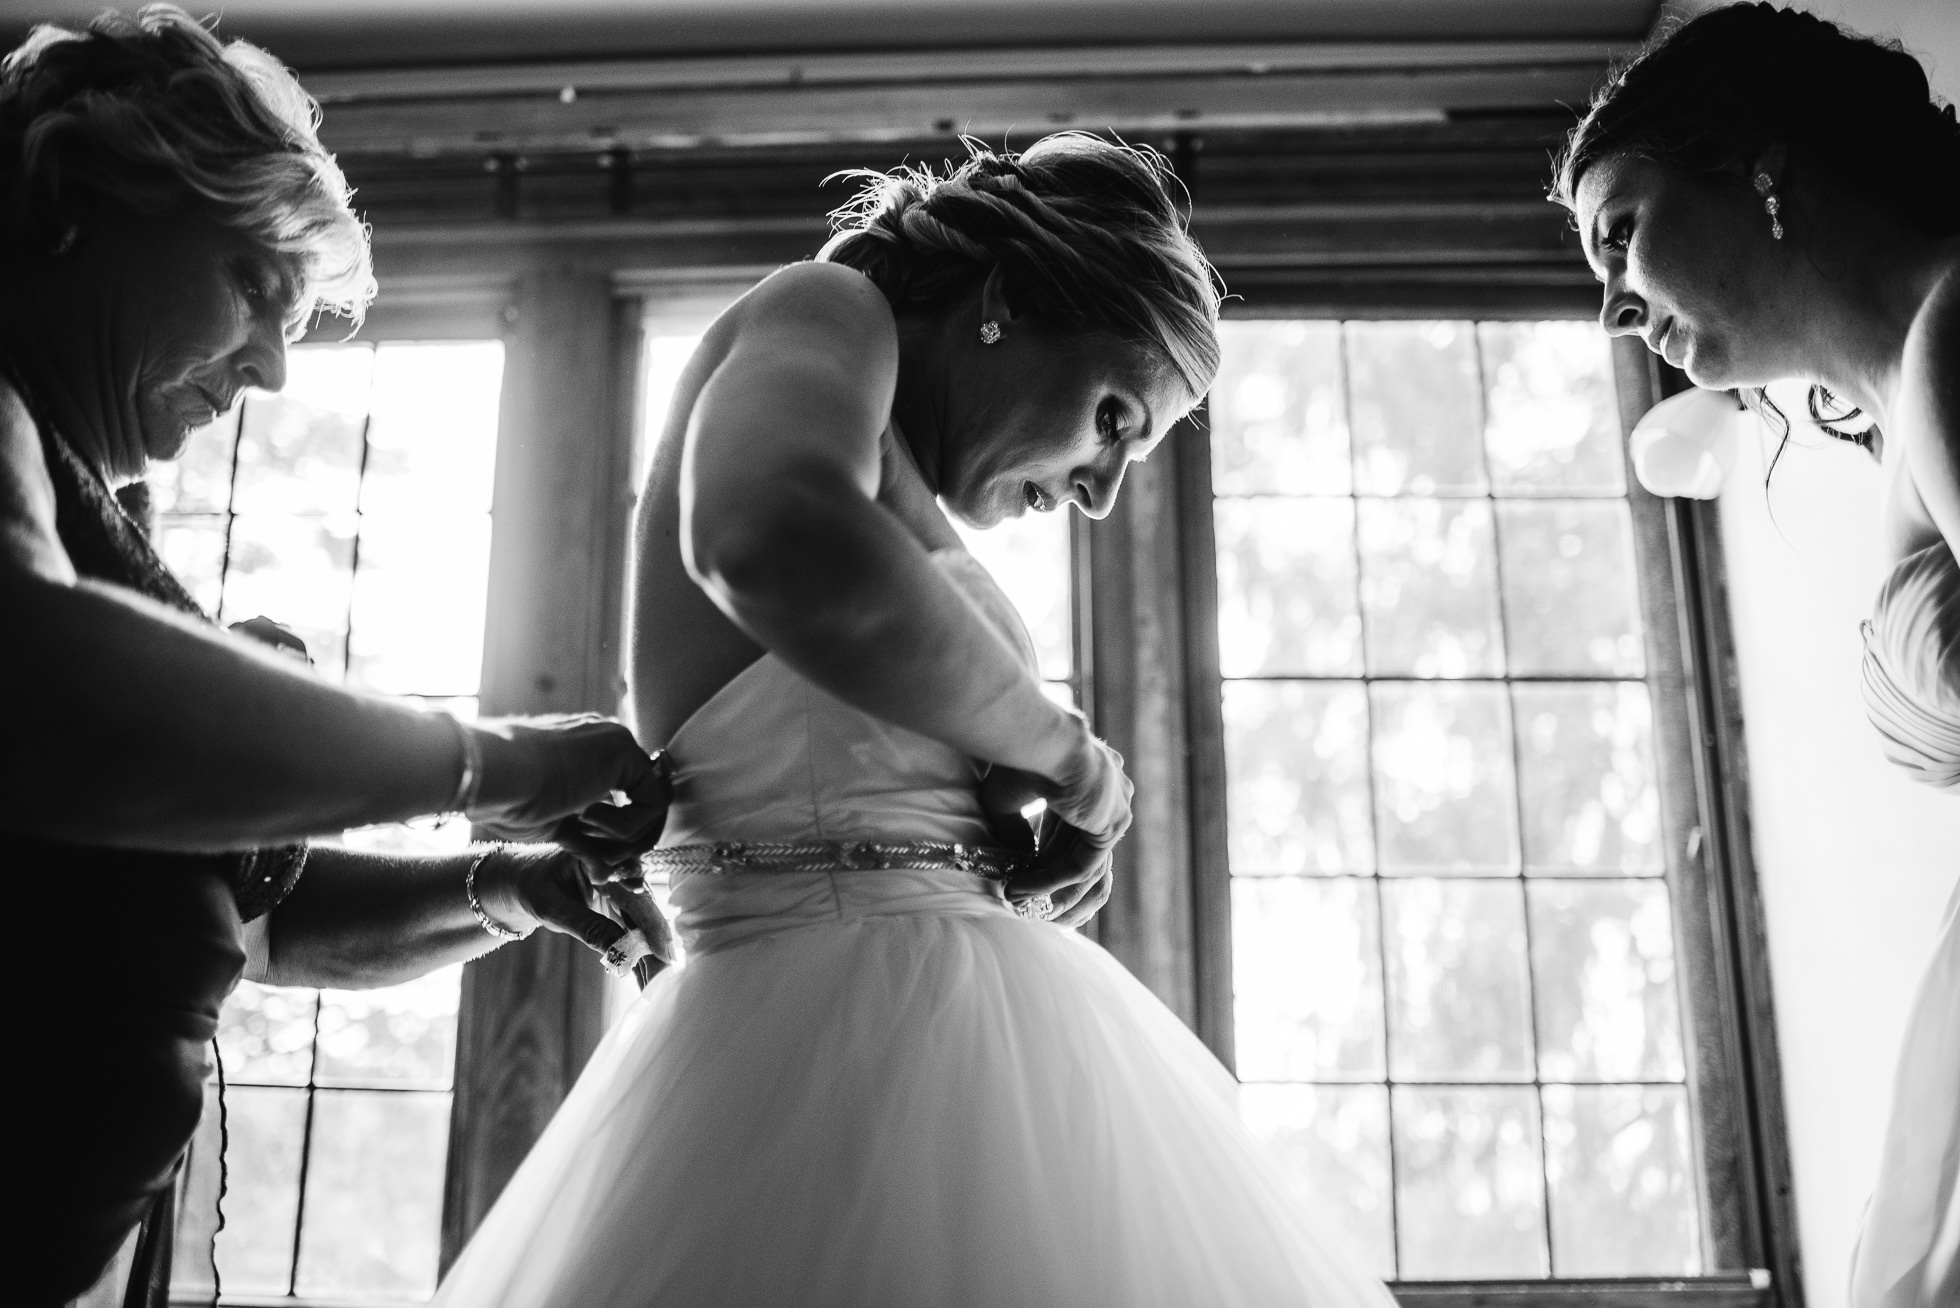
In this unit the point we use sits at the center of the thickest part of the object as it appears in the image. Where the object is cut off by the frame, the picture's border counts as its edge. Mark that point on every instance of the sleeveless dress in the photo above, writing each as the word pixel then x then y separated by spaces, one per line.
pixel 126 957
pixel 1908 1253
pixel 882 1088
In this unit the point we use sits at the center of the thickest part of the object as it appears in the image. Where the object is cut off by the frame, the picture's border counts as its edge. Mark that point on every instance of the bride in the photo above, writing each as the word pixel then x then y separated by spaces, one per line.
pixel 882 1078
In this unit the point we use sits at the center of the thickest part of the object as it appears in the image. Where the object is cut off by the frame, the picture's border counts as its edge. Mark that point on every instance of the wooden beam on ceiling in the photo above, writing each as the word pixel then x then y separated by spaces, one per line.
pixel 778 101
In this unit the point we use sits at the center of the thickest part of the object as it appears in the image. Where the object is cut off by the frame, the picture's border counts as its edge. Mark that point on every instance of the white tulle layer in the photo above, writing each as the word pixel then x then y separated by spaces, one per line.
pixel 883 1088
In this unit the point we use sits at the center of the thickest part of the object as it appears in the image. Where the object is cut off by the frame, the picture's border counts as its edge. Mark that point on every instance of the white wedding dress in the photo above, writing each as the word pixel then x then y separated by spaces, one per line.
pixel 1908 1252
pixel 882 1088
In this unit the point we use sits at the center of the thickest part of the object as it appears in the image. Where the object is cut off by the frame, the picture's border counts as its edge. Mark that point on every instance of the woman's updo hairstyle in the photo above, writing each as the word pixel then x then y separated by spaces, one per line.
pixel 1711 95
pixel 153 113
pixel 1714 93
pixel 1086 233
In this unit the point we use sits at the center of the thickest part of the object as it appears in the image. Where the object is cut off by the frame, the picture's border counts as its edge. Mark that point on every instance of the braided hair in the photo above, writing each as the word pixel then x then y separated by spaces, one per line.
pixel 1709 96
pixel 1087 235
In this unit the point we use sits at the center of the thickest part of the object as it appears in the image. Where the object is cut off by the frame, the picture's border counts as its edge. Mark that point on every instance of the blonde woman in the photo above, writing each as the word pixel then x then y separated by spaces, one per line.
pixel 167 216
pixel 886 1075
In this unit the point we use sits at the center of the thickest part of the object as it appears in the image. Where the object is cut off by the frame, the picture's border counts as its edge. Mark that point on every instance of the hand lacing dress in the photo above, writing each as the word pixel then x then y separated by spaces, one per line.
pixel 880 1086
pixel 1908 1253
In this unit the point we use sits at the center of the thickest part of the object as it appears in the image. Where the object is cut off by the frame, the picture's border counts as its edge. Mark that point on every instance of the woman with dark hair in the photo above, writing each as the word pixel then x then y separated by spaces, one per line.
pixel 167 219
pixel 886 1075
pixel 1766 197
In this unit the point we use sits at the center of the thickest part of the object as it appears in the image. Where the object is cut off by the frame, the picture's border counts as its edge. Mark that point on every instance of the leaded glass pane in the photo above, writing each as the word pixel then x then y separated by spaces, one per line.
pixel 298 571
pixel 1445 794
pixel 401 1035
pixel 1429 588
pixel 1602 954
pixel 1297 775
pixel 1287 598
pixel 418 603
pixel 1551 425
pixel 1459 987
pixel 1278 416
pixel 1416 410
pixel 267 1130
pixel 299 451
pixel 1620 1162
pixel 265 1034
pixel 1306 957
pixel 373 1194
pixel 1586 778
pixel 1571 600
pixel 1470 1184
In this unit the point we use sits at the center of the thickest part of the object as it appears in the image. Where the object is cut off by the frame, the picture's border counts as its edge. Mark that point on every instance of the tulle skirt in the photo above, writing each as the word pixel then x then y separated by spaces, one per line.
pixel 884 1088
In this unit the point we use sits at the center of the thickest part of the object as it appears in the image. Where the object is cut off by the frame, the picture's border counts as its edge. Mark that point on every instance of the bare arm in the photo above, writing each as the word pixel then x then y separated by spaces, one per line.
pixel 781 528
pixel 358 920
pixel 127 724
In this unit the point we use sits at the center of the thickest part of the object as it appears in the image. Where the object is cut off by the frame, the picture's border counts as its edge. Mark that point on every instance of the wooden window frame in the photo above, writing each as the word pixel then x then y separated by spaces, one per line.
pixel 1152 606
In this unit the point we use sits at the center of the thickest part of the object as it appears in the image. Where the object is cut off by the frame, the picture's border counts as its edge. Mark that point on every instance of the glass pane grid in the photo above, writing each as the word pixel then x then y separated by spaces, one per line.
pixel 353 507
pixel 1455 992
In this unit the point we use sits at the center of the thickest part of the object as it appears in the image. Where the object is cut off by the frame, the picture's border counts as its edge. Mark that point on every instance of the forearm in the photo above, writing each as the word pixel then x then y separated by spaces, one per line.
pixel 358 920
pixel 840 592
pixel 131 725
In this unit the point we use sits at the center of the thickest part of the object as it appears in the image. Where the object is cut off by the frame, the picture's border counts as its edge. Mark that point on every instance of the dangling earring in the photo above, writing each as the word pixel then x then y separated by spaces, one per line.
pixel 66 241
pixel 1772 203
pixel 990 332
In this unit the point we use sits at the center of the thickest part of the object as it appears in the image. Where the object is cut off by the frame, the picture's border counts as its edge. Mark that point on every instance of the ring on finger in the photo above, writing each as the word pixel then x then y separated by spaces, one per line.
pixel 1035 908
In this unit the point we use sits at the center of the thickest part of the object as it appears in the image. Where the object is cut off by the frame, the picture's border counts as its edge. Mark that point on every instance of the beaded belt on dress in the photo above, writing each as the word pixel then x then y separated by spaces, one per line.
pixel 833 856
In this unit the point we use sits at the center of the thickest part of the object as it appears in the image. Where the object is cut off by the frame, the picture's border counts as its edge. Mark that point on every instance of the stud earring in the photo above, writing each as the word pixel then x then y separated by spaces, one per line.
pixel 1772 204
pixel 990 332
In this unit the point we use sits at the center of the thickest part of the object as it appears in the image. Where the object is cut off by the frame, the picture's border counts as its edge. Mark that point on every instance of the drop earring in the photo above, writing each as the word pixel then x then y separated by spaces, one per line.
pixel 67 241
pixel 1772 204
pixel 990 332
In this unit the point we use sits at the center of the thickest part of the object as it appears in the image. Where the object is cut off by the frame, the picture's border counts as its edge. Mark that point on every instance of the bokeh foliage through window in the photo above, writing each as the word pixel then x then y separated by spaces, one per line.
pixel 1454 969
pixel 354 507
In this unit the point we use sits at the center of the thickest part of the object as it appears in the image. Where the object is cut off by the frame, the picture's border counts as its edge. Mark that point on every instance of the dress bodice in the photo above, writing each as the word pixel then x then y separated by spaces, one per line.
pixel 771 758
pixel 1912 665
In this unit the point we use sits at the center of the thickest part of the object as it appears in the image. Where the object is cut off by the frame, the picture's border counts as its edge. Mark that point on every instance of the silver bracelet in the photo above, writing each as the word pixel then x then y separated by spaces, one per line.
pixel 494 927
pixel 469 779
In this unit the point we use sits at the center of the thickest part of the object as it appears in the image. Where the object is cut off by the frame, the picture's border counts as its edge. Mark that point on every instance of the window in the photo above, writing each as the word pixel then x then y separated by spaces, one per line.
pixel 1454 981
pixel 354 506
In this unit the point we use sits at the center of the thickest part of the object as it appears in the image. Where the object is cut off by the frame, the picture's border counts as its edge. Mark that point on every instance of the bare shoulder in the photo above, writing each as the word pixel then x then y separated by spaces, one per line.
pixel 1926 422
pixel 28 543
pixel 826 307
pixel 1932 355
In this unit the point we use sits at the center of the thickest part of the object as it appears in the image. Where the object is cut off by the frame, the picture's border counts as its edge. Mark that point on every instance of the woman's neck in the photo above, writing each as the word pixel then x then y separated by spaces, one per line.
pixel 919 408
pixel 1866 305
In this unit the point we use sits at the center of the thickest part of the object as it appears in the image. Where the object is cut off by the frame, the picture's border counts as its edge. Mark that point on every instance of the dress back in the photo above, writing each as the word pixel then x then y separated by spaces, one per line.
pixel 1912 666
pixel 773 759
